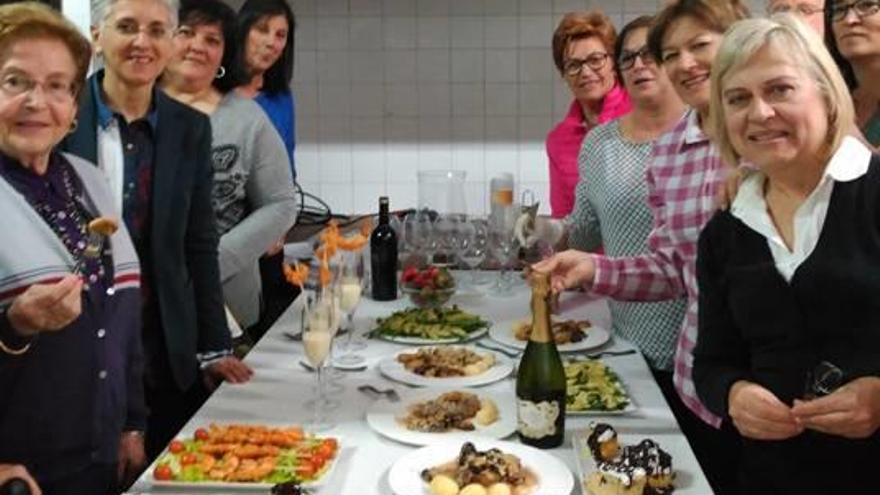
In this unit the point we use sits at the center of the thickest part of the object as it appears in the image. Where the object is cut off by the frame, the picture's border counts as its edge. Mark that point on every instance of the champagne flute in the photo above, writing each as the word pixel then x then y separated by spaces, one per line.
pixel 351 288
pixel 317 340
pixel 503 244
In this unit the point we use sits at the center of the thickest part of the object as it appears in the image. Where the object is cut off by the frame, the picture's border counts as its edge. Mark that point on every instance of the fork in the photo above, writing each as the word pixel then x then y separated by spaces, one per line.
pixel 506 352
pixel 389 393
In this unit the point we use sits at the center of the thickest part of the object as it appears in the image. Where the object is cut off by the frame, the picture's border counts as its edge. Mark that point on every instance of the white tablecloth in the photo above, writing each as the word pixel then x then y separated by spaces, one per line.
pixel 280 385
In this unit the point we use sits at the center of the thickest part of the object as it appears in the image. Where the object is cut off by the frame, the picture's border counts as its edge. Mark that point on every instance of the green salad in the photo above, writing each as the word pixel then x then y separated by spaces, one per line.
pixel 430 323
pixel 591 386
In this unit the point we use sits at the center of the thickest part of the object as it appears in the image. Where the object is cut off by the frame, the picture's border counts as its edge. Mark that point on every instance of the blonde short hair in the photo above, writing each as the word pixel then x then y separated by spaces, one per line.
pixel 801 44
pixel 22 21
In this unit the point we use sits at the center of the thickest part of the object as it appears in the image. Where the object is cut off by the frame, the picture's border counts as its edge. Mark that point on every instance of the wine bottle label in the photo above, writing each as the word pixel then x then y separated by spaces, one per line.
pixel 537 419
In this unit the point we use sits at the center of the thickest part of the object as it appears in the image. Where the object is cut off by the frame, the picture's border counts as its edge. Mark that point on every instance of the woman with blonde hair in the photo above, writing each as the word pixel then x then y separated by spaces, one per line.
pixel 789 326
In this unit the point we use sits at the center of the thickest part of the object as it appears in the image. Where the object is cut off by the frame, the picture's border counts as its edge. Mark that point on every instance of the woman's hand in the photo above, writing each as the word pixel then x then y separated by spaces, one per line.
pixel 852 411
pixel 11 471
pixel 568 269
pixel 758 414
pixel 46 307
pixel 131 458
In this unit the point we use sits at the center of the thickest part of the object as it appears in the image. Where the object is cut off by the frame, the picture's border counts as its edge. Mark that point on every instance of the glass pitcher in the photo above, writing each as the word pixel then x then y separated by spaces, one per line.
pixel 442 191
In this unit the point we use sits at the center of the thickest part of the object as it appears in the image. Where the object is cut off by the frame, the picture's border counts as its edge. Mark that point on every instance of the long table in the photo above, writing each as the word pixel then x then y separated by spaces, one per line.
pixel 281 385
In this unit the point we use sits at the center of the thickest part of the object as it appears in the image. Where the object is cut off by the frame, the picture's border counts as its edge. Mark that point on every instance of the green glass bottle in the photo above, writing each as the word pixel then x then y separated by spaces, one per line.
pixel 540 381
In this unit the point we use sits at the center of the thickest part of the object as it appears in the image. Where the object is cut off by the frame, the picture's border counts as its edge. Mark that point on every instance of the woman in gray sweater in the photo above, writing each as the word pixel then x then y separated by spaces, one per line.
pixel 253 190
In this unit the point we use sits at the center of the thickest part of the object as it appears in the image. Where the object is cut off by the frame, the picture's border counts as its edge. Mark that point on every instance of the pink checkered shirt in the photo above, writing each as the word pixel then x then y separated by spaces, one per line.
pixel 684 174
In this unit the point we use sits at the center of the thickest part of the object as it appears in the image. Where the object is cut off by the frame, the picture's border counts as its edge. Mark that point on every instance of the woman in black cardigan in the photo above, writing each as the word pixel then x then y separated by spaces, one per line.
pixel 789 323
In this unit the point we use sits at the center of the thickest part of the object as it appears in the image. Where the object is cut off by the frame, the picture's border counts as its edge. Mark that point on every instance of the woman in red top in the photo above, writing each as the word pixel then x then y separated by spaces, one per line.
pixel 583 50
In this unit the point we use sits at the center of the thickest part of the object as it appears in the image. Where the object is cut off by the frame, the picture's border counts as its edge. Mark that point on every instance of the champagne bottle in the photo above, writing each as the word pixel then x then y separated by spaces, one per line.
pixel 540 381
pixel 383 256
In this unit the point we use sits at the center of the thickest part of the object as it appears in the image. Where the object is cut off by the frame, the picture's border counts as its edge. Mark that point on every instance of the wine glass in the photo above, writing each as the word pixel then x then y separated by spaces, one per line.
pixel 418 231
pixel 350 287
pixel 317 340
pixel 472 243
pixel 447 234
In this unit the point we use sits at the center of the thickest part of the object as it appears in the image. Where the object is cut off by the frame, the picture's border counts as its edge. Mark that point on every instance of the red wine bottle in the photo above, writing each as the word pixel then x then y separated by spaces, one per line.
pixel 383 256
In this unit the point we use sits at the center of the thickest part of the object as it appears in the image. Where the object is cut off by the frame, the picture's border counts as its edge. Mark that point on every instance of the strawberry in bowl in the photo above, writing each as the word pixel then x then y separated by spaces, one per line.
pixel 429 287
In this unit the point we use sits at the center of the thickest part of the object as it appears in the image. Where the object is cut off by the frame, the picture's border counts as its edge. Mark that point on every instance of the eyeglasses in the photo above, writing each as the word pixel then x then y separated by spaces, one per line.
pixel 628 59
pixel 155 31
pixel 803 9
pixel 58 90
pixel 823 380
pixel 595 61
pixel 862 8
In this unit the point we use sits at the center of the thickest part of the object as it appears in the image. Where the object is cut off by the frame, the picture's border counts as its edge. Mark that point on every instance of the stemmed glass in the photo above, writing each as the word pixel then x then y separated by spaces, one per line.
pixel 503 245
pixel 350 287
pixel 317 340
pixel 472 243
pixel 419 233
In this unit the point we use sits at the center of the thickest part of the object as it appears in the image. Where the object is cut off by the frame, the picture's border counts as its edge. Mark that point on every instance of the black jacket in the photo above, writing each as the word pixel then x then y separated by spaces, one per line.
pixel 183 263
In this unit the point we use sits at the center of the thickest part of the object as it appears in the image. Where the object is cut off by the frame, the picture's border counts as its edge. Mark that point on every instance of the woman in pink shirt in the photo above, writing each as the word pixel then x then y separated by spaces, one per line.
pixel 583 50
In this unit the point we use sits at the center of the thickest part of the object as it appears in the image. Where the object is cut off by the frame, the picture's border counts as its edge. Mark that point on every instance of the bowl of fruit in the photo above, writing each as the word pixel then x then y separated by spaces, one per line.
pixel 428 287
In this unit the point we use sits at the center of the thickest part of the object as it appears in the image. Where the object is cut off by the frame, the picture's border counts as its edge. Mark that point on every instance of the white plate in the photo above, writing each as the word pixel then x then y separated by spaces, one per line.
pixel 423 341
pixel 393 369
pixel 382 418
pixel 503 334
pixel 148 479
pixel 554 478
pixel 631 407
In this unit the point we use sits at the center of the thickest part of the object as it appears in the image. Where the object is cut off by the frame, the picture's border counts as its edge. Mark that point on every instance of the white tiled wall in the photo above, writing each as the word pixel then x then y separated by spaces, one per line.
pixel 386 88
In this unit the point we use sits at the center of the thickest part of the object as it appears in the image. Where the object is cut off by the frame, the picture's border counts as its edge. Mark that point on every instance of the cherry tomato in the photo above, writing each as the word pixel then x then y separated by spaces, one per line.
pixel 296 434
pixel 332 442
pixel 175 447
pixel 326 450
pixel 318 460
pixel 201 434
pixel 188 458
pixel 162 472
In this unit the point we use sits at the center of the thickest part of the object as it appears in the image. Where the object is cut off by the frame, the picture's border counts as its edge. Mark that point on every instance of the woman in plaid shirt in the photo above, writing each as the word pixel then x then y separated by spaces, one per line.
pixel 684 175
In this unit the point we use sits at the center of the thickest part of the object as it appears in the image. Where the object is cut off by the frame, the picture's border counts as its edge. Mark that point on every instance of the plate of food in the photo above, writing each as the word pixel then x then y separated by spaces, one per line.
pixel 570 335
pixel 239 456
pixel 446 366
pixel 443 325
pixel 430 415
pixel 609 464
pixel 479 467
pixel 594 388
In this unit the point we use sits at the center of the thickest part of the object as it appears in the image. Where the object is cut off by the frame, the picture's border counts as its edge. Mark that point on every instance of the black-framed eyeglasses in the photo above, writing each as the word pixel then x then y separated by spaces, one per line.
pixel 862 8
pixel 595 61
pixel 803 9
pixel 823 380
pixel 628 59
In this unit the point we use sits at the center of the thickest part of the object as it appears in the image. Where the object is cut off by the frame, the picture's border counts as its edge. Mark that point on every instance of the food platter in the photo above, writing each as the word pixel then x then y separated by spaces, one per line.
pixel 425 326
pixel 394 369
pixel 503 333
pixel 383 418
pixel 404 477
pixel 293 461
pixel 593 388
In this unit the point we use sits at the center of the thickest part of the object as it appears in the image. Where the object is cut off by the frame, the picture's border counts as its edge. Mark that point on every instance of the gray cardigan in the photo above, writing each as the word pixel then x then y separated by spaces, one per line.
pixel 253 198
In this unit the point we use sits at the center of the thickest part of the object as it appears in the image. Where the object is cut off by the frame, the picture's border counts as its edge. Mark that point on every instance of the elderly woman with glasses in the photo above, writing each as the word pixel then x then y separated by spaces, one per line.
pixel 789 341
pixel 583 51
pixel 852 34
pixel 70 347
pixel 808 10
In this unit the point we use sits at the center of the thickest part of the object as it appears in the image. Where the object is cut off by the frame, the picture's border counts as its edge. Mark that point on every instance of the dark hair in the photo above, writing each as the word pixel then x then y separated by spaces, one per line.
pixel 581 25
pixel 645 21
pixel 716 15
pixel 843 64
pixel 277 78
pixel 210 12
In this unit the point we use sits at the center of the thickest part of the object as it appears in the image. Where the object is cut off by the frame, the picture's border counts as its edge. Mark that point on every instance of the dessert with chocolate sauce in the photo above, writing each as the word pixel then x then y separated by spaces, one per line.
pixel 642 469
